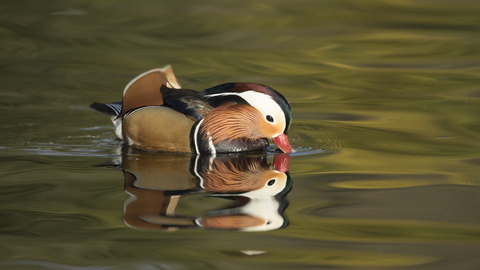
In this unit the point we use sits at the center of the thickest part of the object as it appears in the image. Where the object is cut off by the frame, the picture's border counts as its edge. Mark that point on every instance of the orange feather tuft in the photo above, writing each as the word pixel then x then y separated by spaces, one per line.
pixel 232 122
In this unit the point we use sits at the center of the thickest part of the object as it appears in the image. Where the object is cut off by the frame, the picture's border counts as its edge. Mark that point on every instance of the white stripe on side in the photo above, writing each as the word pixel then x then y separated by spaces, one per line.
pixel 195 133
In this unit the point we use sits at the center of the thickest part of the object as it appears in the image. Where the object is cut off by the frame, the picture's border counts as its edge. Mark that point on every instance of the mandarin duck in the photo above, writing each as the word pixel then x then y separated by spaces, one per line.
pixel 157 114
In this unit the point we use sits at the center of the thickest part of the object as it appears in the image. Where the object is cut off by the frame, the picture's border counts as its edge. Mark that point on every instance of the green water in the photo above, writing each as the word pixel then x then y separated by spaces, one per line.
pixel 390 90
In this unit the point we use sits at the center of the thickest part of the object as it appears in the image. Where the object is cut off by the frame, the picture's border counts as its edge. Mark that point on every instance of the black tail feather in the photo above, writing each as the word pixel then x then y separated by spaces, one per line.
pixel 111 109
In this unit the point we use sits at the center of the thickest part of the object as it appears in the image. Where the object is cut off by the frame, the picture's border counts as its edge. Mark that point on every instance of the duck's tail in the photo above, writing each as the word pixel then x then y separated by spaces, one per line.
pixel 113 110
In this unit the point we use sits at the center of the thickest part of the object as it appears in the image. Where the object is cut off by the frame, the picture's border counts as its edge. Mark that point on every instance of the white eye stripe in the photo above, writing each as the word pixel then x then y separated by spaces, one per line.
pixel 262 102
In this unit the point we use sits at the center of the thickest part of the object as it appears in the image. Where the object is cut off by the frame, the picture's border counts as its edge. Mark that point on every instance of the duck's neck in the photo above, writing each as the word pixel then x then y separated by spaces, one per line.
pixel 227 129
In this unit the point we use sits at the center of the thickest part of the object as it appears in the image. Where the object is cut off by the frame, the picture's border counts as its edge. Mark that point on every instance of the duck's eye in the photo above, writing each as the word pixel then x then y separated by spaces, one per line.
pixel 269 118
pixel 271 182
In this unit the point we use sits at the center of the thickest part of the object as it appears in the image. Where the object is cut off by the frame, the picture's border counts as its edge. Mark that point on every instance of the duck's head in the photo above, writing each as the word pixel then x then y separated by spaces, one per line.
pixel 255 111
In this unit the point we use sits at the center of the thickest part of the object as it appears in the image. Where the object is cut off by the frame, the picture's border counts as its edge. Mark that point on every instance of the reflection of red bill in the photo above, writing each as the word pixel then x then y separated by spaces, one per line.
pixel 282 142
pixel 281 162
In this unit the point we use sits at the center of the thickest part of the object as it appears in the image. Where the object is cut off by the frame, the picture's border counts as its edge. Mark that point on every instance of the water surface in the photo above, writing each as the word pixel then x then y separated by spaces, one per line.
pixel 385 98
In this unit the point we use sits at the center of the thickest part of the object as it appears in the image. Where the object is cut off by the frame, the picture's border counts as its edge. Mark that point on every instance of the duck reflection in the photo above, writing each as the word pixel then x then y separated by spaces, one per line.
pixel 157 182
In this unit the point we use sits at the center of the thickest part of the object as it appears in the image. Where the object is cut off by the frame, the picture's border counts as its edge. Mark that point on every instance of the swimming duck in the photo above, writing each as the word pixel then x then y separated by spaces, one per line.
pixel 156 113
